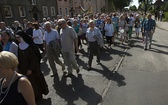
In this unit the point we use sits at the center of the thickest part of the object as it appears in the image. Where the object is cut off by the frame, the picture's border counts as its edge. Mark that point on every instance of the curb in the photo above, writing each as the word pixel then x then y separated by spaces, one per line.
pixel 110 81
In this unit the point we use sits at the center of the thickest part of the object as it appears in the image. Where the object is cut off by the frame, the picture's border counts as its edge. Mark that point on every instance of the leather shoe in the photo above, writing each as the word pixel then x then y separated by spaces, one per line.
pixel 68 75
pixel 52 75
pixel 77 70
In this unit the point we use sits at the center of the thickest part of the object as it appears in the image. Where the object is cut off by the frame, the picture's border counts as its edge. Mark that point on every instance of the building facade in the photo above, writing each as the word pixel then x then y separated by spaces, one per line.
pixel 63 7
pixel 11 10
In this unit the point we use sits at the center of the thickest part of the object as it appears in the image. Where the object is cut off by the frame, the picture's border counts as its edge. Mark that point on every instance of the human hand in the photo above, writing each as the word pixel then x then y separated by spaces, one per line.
pixel 29 72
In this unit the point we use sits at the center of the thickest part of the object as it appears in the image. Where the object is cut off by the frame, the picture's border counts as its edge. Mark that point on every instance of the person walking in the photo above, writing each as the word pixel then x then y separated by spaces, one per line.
pixel 8 44
pixel 93 34
pixel 16 89
pixel 121 25
pixel 109 31
pixel 38 36
pixel 69 39
pixel 51 45
pixel 137 26
pixel 149 28
pixel 29 59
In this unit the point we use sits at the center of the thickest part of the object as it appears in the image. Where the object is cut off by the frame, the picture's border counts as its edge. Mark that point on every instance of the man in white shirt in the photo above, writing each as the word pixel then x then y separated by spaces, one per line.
pixel 51 38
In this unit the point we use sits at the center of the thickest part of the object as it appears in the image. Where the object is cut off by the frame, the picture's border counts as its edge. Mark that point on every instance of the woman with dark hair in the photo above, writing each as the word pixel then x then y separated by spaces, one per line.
pixel 38 36
pixel 8 44
pixel 29 64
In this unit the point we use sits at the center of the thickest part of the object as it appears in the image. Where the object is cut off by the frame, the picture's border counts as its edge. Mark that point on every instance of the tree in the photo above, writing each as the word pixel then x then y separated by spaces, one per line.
pixel 133 8
pixel 120 4
pixel 145 2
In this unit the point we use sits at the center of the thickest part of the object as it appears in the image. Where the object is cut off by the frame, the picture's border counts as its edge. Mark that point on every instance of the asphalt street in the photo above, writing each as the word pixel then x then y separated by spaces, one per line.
pixel 87 87
pixel 142 77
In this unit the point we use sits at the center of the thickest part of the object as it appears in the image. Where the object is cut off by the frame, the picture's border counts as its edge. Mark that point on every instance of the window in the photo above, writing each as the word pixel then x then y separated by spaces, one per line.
pixel 7 11
pixel 22 11
pixel 45 11
pixel 33 2
pixel 60 11
pixel 53 11
pixel 66 11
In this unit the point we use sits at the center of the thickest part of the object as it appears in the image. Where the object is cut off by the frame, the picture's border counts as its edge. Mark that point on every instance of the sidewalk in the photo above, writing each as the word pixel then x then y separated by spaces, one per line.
pixel 162 25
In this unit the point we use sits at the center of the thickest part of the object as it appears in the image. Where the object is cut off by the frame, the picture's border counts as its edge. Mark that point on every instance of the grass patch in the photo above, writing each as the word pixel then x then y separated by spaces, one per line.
pixel 165 18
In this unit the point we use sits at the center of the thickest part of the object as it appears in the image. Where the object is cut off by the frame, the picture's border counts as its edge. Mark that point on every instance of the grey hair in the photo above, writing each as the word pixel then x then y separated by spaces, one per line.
pixel 61 21
pixel 91 21
pixel 47 23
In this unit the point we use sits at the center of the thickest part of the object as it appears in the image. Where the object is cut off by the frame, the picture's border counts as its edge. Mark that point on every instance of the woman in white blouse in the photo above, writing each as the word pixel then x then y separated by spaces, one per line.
pixel 38 36
pixel 109 31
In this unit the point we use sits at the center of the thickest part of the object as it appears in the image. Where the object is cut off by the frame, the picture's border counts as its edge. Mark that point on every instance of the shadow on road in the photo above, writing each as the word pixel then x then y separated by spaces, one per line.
pixel 163 46
pixel 45 68
pixel 158 51
pixel 45 102
pixel 119 79
pixel 76 90
pixel 110 75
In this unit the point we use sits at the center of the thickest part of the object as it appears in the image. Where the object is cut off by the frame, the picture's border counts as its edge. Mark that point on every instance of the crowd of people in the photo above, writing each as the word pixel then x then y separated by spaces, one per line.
pixel 22 46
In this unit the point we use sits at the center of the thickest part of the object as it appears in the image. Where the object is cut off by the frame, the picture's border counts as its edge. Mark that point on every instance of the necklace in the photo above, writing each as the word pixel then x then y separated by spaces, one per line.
pixel 8 88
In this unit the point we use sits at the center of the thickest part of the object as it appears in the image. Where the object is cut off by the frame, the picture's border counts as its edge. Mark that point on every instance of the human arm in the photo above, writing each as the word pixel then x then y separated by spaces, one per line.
pixel 25 88
pixel 75 38
pixel 14 48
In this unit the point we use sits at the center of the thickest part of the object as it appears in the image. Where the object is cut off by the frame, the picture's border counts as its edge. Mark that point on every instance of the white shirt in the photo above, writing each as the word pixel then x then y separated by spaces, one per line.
pixel 84 27
pixel 110 29
pixel 52 35
pixel 38 36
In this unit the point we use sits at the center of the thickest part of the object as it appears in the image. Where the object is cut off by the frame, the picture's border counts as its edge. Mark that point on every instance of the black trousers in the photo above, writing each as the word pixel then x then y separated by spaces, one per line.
pixel 109 39
pixel 40 46
pixel 94 49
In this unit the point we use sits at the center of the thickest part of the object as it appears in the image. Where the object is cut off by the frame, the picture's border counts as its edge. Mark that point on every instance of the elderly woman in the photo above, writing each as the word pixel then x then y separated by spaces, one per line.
pixel 15 88
pixel 109 31
pixel 8 44
pixel 121 25
pixel 29 64
pixel 93 35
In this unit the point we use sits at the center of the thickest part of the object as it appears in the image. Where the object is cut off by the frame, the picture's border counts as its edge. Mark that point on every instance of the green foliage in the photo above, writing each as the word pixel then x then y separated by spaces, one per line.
pixel 165 18
pixel 133 8
pixel 165 7
pixel 119 4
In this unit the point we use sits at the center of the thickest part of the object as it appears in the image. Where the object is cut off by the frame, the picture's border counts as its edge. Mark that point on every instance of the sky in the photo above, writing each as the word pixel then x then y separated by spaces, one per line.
pixel 135 2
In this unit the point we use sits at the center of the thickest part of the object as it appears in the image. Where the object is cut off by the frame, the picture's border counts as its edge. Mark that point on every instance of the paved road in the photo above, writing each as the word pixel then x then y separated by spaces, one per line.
pixel 142 77
pixel 87 87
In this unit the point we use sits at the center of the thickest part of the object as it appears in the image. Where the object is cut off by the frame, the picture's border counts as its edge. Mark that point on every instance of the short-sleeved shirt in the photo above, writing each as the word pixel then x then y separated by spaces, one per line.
pixel 39 36
pixel 115 20
pixel 52 35
pixel 84 27
pixel 67 37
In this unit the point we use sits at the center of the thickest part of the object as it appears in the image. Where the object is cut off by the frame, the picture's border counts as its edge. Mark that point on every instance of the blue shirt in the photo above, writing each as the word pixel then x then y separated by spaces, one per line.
pixel 99 24
pixel 91 34
pixel 149 25
pixel 115 21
